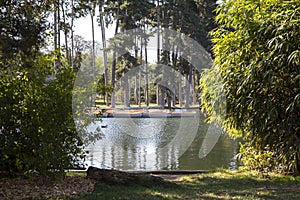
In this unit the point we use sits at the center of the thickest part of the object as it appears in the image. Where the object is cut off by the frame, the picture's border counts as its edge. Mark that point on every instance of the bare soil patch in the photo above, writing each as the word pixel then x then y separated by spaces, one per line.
pixel 39 188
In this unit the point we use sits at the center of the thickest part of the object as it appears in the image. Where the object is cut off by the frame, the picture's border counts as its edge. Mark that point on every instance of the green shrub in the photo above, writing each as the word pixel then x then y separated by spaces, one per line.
pixel 37 131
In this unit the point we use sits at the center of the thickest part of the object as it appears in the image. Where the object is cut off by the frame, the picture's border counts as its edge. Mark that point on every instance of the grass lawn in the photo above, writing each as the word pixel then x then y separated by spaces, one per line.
pixel 214 185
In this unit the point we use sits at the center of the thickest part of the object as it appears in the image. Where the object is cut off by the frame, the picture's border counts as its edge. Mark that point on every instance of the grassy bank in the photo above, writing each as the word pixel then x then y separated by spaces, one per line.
pixel 214 185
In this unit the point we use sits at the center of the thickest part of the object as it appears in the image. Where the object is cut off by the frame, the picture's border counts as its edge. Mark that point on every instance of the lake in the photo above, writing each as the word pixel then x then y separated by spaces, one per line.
pixel 161 144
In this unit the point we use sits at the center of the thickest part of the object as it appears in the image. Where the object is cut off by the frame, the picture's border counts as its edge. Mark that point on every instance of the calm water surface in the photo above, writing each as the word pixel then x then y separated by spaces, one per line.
pixel 137 143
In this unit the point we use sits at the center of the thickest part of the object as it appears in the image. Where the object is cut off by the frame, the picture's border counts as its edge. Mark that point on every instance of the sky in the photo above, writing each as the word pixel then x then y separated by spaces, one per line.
pixel 83 27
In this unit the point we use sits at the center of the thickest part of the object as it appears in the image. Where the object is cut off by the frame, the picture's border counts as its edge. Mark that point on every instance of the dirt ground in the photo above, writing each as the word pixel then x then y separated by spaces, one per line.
pixel 37 188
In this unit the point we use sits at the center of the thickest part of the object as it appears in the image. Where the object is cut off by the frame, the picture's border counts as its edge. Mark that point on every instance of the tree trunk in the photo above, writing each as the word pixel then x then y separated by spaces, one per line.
pixel 193 86
pixel 198 82
pixel 297 164
pixel 93 103
pixel 157 94
pixel 140 74
pixel 93 44
pixel 174 63
pixel 57 33
pixel 165 93
pixel 188 87
pixel 126 93
pixel 146 73
pixel 180 90
pixel 135 92
pixel 187 91
pixel 72 34
pixel 55 29
pixel 58 24
pixel 158 32
pixel 162 96
pixel 65 31
pixel 123 178
pixel 113 70
pixel 104 54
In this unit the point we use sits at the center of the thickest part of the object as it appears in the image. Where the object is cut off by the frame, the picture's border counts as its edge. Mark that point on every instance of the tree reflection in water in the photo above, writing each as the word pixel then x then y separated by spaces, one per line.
pixel 135 144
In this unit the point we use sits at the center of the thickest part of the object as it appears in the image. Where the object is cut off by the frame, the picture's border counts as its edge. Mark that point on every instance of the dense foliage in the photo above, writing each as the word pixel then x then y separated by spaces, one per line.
pixel 37 128
pixel 37 131
pixel 257 55
pixel 22 29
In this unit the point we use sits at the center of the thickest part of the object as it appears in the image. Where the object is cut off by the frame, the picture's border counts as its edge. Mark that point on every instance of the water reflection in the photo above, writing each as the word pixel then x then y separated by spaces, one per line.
pixel 146 144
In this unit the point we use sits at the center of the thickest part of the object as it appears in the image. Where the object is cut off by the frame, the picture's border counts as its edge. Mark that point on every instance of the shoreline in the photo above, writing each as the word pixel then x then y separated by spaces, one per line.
pixel 144 113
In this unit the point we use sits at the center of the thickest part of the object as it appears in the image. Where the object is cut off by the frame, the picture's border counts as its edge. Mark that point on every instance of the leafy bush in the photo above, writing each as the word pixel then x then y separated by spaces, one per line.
pixel 257 56
pixel 37 131
pixel 262 161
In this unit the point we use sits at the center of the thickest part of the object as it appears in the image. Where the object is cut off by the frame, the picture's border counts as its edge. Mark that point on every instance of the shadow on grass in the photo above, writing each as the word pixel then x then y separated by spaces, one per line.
pixel 133 191
pixel 219 185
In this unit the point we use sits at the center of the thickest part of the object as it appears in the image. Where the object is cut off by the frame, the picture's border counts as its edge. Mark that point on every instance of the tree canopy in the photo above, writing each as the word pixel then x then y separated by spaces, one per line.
pixel 22 29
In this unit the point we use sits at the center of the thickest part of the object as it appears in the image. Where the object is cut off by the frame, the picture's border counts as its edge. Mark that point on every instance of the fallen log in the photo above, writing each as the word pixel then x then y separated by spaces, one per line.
pixel 124 178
